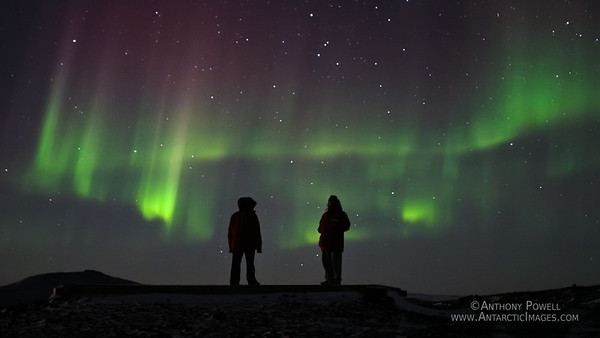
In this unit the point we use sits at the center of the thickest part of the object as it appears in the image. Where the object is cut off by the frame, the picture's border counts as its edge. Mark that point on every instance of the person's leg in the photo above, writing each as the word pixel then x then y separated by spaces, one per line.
pixel 328 266
pixel 337 267
pixel 234 278
pixel 250 270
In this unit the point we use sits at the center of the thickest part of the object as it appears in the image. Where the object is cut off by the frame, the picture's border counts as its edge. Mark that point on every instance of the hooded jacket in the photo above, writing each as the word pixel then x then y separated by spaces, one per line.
pixel 332 226
pixel 244 228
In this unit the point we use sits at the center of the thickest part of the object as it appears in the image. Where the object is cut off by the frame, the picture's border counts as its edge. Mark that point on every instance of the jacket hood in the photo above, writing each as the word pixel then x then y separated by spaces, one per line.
pixel 246 203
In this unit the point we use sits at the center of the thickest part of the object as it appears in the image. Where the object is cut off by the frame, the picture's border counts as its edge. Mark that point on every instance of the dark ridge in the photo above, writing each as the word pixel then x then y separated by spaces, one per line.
pixel 40 287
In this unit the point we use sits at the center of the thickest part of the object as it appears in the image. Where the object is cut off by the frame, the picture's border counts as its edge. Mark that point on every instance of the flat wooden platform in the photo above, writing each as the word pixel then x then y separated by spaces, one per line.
pixel 118 289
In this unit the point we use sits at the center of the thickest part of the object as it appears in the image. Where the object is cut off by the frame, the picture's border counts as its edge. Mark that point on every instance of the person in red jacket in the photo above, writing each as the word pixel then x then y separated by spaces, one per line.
pixel 332 226
pixel 244 239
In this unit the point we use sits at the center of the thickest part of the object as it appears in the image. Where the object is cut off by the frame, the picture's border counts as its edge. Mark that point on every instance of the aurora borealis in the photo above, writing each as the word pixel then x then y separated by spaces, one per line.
pixel 461 137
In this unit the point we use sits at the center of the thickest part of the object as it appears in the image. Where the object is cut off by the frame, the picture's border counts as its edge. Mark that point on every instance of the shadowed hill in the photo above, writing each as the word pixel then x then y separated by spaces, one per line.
pixel 40 287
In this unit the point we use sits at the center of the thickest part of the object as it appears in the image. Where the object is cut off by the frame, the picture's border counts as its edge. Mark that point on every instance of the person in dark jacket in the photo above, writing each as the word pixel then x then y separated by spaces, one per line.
pixel 244 239
pixel 332 226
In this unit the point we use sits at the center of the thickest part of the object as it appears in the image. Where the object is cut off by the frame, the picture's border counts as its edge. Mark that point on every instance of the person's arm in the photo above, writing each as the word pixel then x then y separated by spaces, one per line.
pixel 322 223
pixel 259 237
pixel 230 232
pixel 346 222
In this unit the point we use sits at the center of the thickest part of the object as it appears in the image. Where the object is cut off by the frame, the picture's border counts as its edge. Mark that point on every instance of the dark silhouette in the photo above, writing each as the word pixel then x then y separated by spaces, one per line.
pixel 332 226
pixel 39 288
pixel 244 239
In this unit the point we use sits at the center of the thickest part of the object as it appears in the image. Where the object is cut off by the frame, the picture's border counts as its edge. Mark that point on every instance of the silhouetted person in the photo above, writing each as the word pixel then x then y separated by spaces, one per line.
pixel 332 226
pixel 244 239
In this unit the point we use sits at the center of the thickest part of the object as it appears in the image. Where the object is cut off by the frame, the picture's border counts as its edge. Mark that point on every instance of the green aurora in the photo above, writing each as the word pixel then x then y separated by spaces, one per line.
pixel 167 163
pixel 460 136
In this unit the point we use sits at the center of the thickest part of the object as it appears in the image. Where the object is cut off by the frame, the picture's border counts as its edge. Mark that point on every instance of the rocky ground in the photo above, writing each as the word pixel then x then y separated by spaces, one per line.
pixel 279 315
pixel 92 305
pixel 290 316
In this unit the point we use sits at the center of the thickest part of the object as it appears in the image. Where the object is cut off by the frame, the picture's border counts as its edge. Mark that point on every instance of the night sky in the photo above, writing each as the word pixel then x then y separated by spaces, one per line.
pixel 462 138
